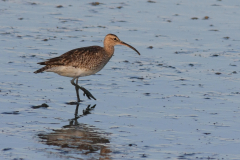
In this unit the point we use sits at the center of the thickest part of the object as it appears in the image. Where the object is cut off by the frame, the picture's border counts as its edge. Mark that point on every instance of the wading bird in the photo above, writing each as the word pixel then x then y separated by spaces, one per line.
pixel 82 62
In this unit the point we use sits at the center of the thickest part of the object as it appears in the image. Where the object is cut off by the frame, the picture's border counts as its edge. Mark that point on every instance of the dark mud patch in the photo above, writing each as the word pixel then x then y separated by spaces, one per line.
pixel 170 67
pixel 184 52
pixel 215 55
pixel 140 78
pixel 95 3
pixel 194 18
pixel 6 149
pixel 147 94
pixel 150 1
pixel 226 38
pixel 59 6
pixel 181 79
pixel 44 105
pixel 72 103
pixel 150 47
pixel 11 112
pixel 205 18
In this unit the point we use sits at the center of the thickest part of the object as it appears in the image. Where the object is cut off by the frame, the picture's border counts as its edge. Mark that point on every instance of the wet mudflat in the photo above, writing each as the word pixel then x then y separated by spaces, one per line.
pixel 178 100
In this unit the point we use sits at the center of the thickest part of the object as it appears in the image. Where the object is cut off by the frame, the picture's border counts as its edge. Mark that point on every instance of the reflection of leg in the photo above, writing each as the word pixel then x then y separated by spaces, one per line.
pixel 74 121
pixel 88 109
pixel 76 110
pixel 77 90
pixel 85 91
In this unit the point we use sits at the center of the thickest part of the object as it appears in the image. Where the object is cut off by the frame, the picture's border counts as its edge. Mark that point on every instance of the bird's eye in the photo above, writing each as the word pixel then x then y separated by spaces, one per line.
pixel 115 39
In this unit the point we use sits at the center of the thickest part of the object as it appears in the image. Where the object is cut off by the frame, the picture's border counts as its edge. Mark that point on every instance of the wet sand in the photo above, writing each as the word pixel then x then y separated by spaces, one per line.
pixel 178 100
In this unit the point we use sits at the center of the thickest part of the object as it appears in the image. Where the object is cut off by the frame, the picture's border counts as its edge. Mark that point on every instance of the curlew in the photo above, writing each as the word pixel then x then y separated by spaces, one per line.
pixel 82 62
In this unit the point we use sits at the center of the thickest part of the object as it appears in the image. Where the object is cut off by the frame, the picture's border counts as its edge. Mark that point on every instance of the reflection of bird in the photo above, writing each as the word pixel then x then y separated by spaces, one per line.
pixel 79 138
pixel 82 62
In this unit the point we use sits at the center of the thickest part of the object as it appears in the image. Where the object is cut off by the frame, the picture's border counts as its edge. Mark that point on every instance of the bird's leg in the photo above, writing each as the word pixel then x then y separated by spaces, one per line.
pixel 85 91
pixel 77 90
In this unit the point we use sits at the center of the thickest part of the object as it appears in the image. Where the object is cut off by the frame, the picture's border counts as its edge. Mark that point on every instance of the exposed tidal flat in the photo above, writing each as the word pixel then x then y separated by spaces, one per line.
pixel 178 100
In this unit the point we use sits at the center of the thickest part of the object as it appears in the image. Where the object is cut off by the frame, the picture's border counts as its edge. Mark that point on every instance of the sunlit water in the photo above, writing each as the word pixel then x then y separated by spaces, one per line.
pixel 178 100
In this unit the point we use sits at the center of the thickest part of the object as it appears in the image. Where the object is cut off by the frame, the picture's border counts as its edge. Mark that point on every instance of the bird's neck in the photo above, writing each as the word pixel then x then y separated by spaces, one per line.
pixel 109 50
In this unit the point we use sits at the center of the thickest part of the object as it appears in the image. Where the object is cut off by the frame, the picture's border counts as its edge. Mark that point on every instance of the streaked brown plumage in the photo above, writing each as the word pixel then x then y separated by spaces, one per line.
pixel 83 61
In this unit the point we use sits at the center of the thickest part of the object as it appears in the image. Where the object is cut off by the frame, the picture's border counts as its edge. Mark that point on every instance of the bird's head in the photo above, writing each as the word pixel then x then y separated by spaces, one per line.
pixel 112 40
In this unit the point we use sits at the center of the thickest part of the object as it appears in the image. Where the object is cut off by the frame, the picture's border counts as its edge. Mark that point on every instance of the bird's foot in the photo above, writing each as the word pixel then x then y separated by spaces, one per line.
pixel 86 93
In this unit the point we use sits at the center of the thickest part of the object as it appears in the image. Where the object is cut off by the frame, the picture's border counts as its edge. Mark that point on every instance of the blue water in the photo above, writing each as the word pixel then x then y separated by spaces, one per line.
pixel 178 100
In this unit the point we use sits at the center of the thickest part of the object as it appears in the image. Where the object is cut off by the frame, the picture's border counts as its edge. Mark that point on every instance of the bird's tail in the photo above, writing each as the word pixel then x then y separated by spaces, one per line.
pixel 42 69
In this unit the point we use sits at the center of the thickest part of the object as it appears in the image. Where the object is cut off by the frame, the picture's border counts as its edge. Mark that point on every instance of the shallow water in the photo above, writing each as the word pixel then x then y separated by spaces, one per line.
pixel 178 100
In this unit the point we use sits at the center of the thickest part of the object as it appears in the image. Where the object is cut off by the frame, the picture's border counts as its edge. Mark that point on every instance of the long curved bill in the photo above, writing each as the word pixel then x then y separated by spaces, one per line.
pixel 125 44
